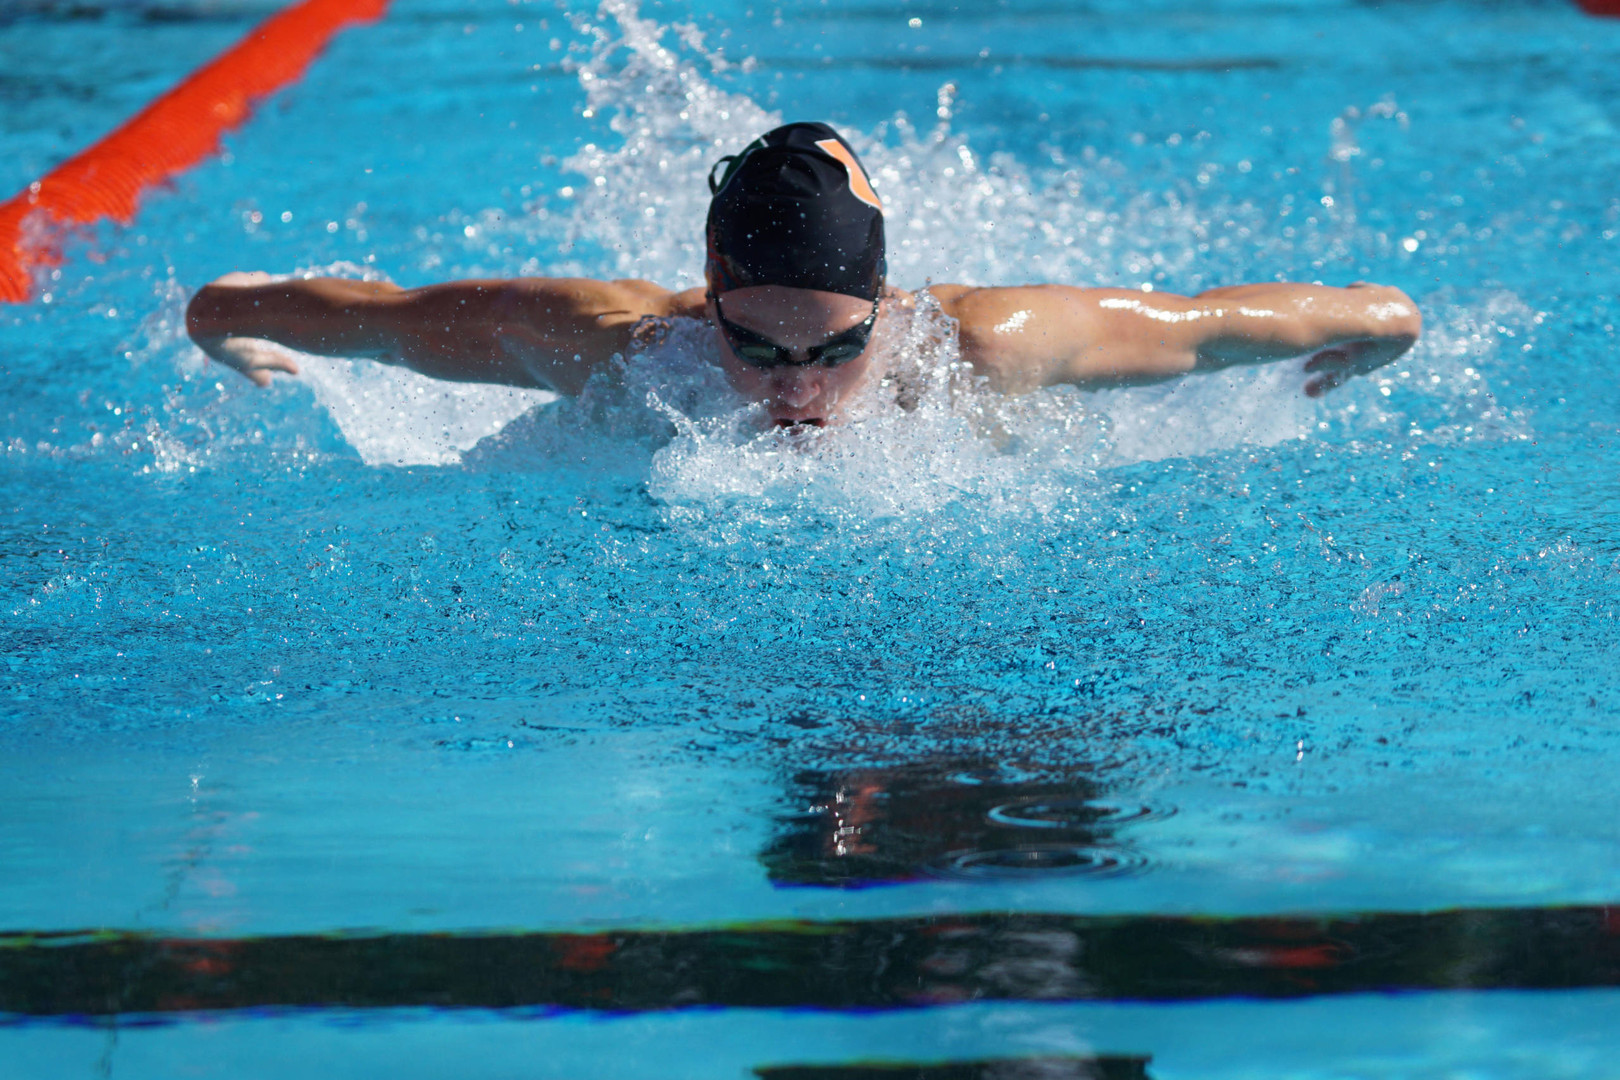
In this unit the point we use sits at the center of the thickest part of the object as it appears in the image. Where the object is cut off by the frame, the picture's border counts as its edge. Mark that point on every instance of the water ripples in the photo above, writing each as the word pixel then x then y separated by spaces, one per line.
pixel 1075 813
pixel 1039 861
pixel 1093 853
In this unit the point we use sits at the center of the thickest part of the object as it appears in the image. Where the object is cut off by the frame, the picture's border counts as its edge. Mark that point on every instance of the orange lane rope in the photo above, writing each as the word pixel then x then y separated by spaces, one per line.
pixel 1601 7
pixel 170 135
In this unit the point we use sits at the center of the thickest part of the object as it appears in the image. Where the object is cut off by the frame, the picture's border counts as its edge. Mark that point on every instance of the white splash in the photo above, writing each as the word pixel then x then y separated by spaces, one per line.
pixel 392 416
pixel 929 436
pixel 954 215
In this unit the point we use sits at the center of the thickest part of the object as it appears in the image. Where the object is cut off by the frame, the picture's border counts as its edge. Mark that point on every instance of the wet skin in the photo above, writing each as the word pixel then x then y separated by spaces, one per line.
pixel 557 333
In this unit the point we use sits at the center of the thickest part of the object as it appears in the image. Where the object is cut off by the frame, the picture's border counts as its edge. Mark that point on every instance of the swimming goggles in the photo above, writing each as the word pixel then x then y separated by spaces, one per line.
pixel 762 352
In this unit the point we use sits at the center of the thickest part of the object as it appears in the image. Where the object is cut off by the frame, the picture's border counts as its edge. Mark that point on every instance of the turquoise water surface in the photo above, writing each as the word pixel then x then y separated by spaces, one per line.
pixel 369 725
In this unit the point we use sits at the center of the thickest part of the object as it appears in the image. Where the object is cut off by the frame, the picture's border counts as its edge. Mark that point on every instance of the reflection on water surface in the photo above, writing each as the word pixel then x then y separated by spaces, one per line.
pixel 955 817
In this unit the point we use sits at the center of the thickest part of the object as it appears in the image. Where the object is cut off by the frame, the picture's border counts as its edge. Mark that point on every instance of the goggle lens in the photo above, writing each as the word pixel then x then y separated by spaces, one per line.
pixel 761 352
pixel 762 355
pixel 841 352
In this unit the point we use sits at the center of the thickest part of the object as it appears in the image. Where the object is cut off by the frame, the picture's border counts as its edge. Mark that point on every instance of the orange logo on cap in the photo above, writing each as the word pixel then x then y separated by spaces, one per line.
pixel 859 185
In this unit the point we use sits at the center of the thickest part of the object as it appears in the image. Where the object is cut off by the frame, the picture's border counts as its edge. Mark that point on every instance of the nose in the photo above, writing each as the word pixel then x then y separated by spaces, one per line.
pixel 796 387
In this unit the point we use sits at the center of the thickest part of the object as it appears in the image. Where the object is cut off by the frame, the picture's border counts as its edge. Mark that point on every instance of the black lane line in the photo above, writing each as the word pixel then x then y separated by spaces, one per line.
pixel 1042 1068
pixel 863 965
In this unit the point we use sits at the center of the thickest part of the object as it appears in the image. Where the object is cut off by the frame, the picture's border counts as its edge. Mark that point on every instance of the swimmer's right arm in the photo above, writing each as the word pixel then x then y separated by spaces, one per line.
pixel 543 333
pixel 1038 335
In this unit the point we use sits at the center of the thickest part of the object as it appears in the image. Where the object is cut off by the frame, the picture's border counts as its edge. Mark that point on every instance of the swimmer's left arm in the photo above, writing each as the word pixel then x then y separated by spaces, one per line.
pixel 545 333
pixel 1040 335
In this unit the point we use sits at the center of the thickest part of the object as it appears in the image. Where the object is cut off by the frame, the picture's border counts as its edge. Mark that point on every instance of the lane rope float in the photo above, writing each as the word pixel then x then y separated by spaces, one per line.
pixel 170 135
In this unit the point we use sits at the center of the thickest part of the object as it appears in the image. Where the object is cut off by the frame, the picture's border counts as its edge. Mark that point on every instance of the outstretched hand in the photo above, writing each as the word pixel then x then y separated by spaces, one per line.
pixel 255 358
pixel 1331 366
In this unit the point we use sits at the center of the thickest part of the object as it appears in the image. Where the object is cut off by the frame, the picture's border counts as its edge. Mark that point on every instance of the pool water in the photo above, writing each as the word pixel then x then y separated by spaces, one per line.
pixel 377 726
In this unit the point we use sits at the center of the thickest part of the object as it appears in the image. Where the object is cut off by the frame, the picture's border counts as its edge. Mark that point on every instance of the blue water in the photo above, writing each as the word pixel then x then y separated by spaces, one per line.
pixel 364 653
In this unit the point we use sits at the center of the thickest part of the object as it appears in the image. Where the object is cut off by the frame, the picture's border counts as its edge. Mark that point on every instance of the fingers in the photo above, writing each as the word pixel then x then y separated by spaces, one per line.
pixel 259 355
pixel 1336 363
pixel 1332 366
pixel 268 357
pixel 253 357
pixel 1328 358
pixel 1323 383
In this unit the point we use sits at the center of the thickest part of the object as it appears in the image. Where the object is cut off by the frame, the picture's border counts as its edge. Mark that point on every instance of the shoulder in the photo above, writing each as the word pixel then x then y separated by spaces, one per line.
pixel 1014 334
pixel 987 310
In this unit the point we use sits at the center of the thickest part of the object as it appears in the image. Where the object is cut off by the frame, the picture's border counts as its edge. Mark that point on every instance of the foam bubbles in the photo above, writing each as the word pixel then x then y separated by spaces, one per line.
pixel 929 435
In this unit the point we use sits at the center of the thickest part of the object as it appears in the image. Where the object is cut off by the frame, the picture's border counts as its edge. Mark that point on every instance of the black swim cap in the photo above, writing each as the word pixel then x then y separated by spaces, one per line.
pixel 796 208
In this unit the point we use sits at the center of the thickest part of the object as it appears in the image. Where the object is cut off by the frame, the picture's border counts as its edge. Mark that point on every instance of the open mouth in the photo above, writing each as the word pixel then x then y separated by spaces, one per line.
pixel 809 421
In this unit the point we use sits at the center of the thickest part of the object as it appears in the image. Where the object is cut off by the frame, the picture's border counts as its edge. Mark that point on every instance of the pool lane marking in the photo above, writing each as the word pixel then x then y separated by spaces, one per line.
pixel 169 136
pixel 1090 1066
pixel 858 965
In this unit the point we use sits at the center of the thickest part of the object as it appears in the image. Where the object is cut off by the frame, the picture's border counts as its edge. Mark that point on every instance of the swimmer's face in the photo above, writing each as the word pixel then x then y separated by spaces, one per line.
pixel 797 320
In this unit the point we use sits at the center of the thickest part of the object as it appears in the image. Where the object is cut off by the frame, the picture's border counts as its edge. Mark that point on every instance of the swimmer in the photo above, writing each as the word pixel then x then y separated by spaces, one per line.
pixel 796 298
